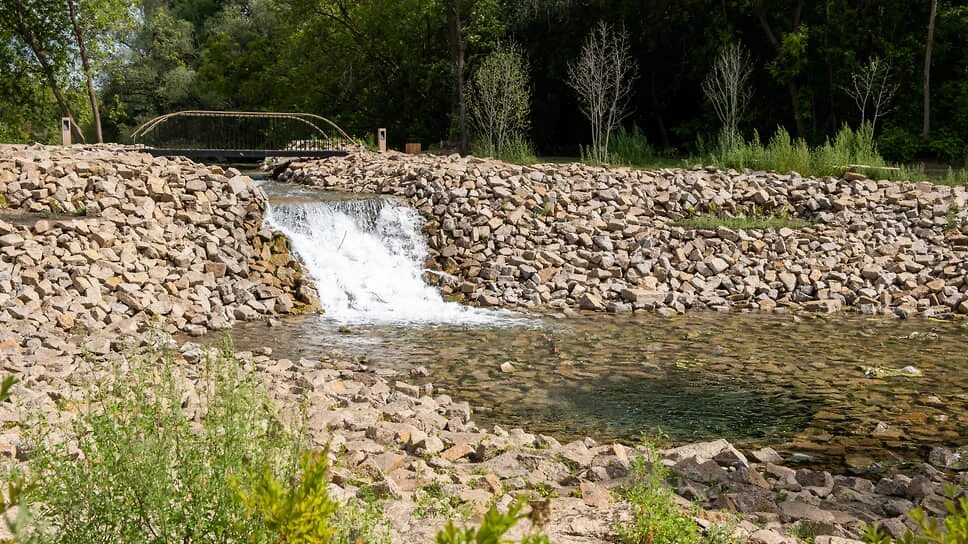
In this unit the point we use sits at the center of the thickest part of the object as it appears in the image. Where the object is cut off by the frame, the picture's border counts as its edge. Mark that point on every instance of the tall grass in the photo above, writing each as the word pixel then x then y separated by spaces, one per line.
pixel 850 149
pixel 631 148
pixel 627 147
pixel 517 150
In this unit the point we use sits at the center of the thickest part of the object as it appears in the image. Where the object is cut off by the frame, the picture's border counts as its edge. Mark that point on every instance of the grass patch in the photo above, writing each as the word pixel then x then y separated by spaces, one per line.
pixel 785 154
pixel 628 147
pixel 4 203
pixel 752 220
pixel 433 501
pixel 953 177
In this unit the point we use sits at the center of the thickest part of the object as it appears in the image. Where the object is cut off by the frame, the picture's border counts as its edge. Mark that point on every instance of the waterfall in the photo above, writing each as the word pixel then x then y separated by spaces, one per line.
pixel 367 259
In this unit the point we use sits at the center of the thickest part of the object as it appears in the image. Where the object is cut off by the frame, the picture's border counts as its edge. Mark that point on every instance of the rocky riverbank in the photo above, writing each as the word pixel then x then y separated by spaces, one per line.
pixel 96 238
pixel 425 459
pixel 105 251
pixel 577 237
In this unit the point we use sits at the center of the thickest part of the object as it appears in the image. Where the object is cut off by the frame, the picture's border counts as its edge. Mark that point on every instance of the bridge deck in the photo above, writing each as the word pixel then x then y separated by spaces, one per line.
pixel 243 153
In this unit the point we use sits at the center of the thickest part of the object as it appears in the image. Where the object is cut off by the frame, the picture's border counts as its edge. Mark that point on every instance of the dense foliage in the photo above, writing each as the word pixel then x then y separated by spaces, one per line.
pixel 404 64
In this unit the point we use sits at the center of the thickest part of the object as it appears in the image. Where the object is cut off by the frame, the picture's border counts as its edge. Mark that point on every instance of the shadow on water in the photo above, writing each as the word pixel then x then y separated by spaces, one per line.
pixel 679 407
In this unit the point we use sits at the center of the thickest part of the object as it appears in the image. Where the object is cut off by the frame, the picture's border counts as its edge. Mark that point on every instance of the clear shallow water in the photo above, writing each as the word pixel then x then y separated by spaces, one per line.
pixel 796 384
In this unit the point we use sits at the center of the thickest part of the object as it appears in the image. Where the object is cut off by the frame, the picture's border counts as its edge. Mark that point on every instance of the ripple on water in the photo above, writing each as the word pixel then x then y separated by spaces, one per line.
pixel 796 384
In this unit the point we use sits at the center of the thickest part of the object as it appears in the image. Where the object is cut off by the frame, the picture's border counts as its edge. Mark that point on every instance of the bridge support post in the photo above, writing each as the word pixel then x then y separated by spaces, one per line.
pixel 65 131
pixel 381 139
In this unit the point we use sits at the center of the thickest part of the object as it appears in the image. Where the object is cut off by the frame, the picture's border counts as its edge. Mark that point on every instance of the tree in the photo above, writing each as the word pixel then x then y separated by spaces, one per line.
pixel 727 87
pixel 91 22
pixel 40 26
pixel 602 76
pixel 929 44
pixel 792 55
pixel 457 58
pixel 872 89
pixel 500 99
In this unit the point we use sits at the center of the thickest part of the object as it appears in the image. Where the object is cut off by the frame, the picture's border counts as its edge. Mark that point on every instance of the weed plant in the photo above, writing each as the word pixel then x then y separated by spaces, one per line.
pixel 137 468
pixel 952 530
pixel 517 150
pixel 656 517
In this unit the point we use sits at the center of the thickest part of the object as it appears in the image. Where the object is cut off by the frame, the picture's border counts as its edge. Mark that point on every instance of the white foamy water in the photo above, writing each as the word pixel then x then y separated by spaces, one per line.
pixel 366 257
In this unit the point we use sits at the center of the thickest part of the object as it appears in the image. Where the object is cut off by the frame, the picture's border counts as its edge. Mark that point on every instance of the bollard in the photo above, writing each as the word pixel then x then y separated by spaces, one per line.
pixel 381 139
pixel 65 131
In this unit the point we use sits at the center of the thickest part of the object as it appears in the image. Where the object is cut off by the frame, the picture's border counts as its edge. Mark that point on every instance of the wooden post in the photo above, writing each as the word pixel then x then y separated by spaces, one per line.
pixel 381 139
pixel 412 148
pixel 65 131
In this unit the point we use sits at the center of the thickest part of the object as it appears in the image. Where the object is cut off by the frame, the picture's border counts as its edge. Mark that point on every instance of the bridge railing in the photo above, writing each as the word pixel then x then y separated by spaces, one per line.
pixel 242 134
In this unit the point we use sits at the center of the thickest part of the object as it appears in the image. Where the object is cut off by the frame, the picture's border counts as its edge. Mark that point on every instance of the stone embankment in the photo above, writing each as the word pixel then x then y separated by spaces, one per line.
pixel 104 238
pixel 426 460
pixel 580 237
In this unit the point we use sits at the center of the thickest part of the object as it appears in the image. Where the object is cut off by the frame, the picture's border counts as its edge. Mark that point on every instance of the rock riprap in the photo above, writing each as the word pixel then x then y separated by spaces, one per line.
pixel 106 237
pixel 581 237
pixel 398 440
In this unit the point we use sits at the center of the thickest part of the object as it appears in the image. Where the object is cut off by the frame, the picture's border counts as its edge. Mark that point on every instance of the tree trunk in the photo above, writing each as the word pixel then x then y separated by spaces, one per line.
pixel 459 107
pixel 663 134
pixel 28 37
pixel 792 88
pixel 86 66
pixel 926 123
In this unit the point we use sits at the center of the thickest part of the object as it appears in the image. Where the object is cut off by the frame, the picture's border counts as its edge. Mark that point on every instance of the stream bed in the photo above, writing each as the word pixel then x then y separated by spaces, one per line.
pixel 795 383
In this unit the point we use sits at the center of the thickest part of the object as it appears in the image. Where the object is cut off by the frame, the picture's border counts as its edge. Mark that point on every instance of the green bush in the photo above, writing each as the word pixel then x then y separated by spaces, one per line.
pixel 135 468
pixel 785 154
pixel 144 472
pixel 492 529
pixel 656 518
pixel 949 147
pixel 630 148
pixel 899 145
pixel 299 513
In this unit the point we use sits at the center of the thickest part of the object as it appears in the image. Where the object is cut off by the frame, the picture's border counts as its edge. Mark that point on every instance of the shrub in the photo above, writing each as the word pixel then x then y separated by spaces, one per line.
pixel 499 102
pixel 656 518
pixel 898 144
pixel 298 514
pixel 630 148
pixel 492 529
pixel 136 469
